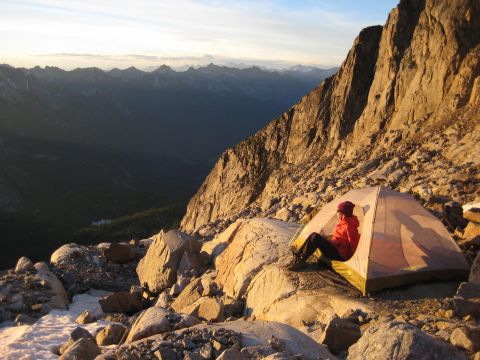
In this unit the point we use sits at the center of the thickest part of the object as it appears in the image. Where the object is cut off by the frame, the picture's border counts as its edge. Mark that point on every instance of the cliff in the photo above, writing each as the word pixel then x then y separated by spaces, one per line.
pixel 409 88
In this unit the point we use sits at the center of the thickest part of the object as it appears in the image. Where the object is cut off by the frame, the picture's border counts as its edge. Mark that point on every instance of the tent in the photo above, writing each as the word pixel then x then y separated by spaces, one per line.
pixel 400 241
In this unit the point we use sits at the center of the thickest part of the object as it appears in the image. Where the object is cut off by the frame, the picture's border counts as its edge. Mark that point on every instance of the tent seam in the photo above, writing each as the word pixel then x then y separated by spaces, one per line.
pixel 371 238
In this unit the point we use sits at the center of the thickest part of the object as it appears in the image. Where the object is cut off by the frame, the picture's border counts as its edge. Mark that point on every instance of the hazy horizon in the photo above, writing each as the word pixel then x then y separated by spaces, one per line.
pixel 273 34
pixel 179 68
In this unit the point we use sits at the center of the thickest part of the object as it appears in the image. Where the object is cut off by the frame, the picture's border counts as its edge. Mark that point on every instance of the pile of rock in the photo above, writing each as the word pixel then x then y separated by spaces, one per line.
pixel 29 292
pixel 196 344
pixel 106 266
pixel 156 320
pixel 234 340
pixel 398 340
pixel 197 296
pixel 83 345
pixel 421 169
pixel 172 256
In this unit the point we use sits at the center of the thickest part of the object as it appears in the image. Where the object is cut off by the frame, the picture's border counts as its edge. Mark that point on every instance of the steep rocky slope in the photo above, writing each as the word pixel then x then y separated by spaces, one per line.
pixel 402 111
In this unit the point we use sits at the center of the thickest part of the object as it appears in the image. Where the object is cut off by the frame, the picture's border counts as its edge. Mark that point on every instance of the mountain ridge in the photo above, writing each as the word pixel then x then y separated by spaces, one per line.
pixel 80 145
pixel 399 85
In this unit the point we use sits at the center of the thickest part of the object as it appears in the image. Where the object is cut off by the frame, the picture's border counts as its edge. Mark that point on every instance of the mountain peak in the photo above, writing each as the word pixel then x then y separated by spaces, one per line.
pixel 164 69
pixel 398 87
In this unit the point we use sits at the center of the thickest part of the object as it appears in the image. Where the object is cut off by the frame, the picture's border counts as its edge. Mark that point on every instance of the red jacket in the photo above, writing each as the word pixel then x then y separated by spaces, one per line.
pixel 345 236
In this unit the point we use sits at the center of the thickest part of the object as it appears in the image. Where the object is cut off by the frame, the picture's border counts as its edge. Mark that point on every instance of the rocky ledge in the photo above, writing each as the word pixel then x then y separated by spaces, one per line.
pixel 233 298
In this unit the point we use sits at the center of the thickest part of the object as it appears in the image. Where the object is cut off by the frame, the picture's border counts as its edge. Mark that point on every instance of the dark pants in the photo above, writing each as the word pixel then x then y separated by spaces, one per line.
pixel 316 241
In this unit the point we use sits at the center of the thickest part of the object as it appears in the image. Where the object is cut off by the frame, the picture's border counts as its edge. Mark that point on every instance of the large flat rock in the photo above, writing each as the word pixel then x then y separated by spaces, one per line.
pixel 397 340
pixel 255 244
pixel 297 298
pixel 255 333
pixel 254 265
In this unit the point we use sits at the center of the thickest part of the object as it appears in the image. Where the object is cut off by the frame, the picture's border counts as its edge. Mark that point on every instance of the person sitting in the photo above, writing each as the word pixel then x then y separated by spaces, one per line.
pixel 342 245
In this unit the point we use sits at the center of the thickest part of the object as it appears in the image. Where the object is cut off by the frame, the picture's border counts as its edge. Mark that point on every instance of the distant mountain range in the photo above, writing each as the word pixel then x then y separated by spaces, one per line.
pixel 81 145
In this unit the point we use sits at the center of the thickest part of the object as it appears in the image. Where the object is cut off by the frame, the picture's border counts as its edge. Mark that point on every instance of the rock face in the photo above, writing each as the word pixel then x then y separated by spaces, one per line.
pixel 400 341
pixel 158 268
pixel 256 243
pixel 406 98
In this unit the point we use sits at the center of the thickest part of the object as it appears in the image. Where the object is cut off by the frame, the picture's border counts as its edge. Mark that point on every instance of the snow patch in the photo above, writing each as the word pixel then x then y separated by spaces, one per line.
pixel 101 222
pixel 29 342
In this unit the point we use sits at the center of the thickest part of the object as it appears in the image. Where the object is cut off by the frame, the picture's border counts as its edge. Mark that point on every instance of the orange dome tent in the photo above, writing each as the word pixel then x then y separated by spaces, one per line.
pixel 400 241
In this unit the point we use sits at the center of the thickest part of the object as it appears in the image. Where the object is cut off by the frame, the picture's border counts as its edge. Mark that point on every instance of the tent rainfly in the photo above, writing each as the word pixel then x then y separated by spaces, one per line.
pixel 400 242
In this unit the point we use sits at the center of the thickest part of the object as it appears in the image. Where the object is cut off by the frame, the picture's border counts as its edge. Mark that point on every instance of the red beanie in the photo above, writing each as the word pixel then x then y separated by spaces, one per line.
pixel 346 208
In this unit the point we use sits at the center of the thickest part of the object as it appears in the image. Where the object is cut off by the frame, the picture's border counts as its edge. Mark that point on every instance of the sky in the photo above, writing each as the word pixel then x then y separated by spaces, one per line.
pixel 178 33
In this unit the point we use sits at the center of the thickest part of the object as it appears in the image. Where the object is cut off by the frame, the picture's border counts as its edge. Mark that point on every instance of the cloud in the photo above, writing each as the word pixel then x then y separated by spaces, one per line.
pixel 154 31
pixel 149 62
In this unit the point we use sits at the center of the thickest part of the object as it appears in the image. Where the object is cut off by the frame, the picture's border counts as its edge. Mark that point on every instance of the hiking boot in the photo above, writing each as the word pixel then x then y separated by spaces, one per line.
pixel 298 264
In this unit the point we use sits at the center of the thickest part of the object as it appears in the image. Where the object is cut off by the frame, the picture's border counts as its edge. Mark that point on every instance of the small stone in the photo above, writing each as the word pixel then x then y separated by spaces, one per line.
pixel 475 270
pixel 217 345
pixel 41 266
pixel 256 352
pixel 276 344
pixel 208 308
pixel 24 264
pixel 472 215
pixel 85 318
pixel 472 230
pixel 465 307
pixel 78 333
pixel 174 290
pixel 207 351
pixel 442 325
pixel 119 253
pixel 467 338
pixel 469 290
pixel 166 354
pixel 340 334
pixel 233 353
pixel 111 334
pixel 121 302
pixel 84 349
pixel 449 314
pixel 37 307
pixel 23 319
pixel 188 344
pixel 187 355
pixel 163 300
